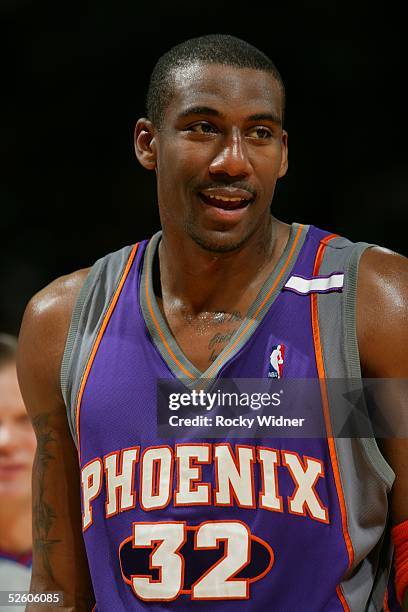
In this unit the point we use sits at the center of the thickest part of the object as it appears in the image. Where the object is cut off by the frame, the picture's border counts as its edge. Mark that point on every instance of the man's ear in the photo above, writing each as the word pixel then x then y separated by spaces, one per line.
pixel 145 144
pixel 284 162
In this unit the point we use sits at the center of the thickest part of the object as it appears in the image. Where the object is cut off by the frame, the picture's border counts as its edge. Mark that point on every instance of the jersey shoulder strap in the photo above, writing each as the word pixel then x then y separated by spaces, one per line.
pixel 365 476
pixel 88 314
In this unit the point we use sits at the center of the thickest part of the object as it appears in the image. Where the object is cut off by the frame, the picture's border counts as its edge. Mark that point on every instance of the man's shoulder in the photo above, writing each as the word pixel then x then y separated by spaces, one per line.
pixel 380 262
pixel 382 312
pixel 44 330
pixel 54 303
pixel 383 280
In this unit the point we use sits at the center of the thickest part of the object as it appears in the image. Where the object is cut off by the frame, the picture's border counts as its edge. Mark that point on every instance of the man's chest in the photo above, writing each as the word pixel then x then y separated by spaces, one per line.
pixel 204 337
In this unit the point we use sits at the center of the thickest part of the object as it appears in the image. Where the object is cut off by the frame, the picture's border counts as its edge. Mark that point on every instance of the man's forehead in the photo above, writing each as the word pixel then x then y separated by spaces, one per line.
pixel 194 83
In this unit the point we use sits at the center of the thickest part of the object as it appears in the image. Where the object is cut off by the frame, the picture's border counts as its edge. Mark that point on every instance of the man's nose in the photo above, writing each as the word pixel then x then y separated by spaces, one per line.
pixel 232 159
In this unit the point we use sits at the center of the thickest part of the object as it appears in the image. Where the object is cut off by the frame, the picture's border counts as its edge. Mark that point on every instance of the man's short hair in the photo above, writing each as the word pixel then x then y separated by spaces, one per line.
pixel 211 49
pixel 8 349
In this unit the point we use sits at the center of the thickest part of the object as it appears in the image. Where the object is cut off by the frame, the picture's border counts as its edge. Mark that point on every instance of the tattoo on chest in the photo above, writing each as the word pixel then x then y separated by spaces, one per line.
pixel 228 317
pixel 219 341
pixel 217 344
pixel 213 318
pixel 211 329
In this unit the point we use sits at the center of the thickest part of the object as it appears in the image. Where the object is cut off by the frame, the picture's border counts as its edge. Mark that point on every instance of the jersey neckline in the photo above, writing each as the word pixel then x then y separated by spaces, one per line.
pixel 165 342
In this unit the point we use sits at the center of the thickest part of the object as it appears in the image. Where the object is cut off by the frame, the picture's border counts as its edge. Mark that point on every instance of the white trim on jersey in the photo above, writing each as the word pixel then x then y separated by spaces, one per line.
pixel 302 285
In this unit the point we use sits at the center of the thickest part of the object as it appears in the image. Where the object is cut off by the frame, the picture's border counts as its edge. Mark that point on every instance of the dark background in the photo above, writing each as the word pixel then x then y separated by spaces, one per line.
pixel 73 84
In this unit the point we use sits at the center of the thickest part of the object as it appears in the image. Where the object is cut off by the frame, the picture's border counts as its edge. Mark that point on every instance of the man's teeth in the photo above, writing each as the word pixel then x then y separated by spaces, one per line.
pixel 224 199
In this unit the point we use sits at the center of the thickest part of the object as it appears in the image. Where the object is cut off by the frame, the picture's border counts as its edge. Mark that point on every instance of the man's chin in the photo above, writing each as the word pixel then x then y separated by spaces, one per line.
pixel 217 242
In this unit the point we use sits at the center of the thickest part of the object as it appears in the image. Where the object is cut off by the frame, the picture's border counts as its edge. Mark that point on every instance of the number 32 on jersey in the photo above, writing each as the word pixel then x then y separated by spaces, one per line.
pixel 218 557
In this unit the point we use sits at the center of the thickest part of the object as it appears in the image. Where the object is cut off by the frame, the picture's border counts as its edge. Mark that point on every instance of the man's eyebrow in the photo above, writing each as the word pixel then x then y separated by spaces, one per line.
pixel 200 110
pixel 266 117
pixel 207 110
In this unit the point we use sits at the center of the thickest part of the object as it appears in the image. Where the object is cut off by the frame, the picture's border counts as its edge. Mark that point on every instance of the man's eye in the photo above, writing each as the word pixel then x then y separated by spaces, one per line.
pixel 261 133
pixel 202 128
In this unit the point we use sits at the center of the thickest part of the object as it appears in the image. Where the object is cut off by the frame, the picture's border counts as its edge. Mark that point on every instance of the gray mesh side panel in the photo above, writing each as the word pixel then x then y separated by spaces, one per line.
pixel 365 475
pixel 66 366
pixel 372 451
pixel 87 317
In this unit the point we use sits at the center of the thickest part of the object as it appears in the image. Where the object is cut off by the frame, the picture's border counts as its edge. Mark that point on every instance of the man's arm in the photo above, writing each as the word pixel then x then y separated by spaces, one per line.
pixel 382 330
pixel 59 559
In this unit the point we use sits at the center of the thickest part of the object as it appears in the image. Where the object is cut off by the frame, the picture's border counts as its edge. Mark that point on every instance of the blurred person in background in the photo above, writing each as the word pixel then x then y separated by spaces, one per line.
pixel 17 448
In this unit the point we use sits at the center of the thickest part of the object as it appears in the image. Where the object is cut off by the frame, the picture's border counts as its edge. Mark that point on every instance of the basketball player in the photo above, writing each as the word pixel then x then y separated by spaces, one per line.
pixel 17 448
pixel 214 524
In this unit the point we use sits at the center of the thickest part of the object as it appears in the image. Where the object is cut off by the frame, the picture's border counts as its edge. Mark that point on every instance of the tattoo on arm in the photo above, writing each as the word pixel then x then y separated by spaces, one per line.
pixel 43 514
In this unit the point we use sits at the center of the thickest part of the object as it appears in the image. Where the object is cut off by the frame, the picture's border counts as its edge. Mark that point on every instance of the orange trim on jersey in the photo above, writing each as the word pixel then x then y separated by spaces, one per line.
pixel 161 334
pixel 385 602
pixel 99 338
pixel 341 597
pixel 264 301
pixel 325 403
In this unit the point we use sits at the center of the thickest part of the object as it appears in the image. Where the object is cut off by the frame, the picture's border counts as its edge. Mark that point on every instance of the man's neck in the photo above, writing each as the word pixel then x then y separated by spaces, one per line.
pixel 204 280
pixel 15 528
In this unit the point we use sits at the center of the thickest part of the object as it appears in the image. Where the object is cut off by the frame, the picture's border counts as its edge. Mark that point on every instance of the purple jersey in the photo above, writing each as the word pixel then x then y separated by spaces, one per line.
pixel 277 523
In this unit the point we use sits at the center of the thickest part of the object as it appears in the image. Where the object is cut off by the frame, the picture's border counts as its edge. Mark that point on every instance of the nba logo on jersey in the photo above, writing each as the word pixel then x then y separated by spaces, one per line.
pixel 276 361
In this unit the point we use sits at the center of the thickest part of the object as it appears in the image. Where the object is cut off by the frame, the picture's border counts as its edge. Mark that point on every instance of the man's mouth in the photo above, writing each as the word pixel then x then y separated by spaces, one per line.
pixel 227 199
